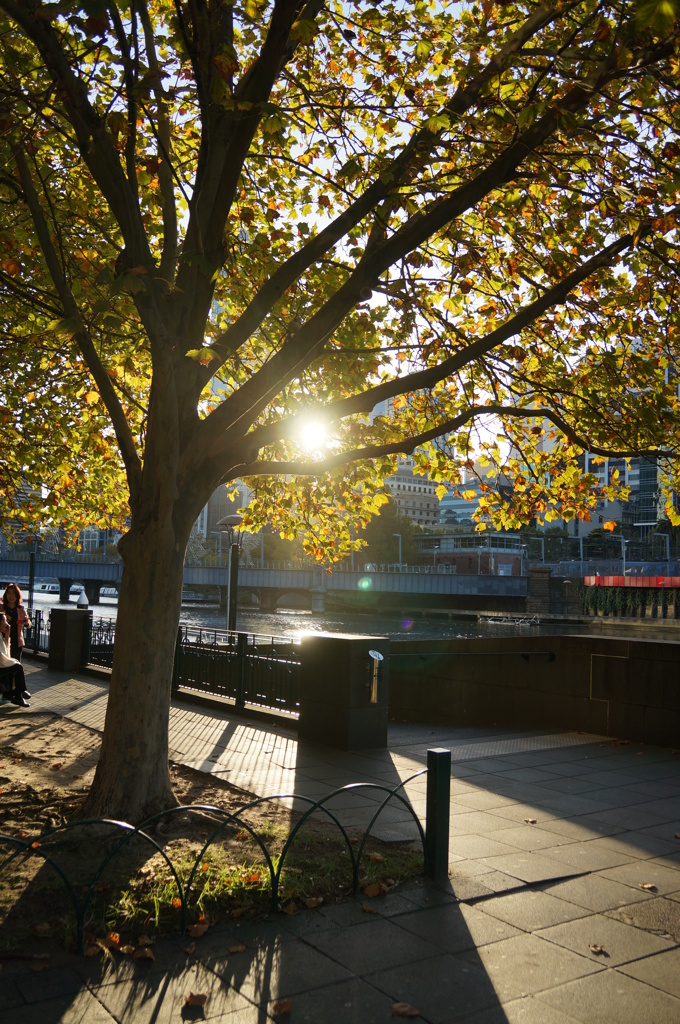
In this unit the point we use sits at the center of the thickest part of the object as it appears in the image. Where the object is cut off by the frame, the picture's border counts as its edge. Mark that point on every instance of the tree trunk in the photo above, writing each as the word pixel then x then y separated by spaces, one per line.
pixel 132 780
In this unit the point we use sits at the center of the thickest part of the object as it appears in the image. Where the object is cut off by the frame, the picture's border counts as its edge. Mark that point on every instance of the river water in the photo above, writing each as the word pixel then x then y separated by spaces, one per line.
pixel 287 622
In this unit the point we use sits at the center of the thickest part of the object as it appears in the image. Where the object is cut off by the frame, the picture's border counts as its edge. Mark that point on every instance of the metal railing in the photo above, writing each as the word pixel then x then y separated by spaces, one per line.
pixel 37 638
pixel 244 667
pixel 99 641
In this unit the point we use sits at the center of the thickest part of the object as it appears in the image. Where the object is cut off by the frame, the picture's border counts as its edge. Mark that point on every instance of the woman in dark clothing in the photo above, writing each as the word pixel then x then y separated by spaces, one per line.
pixel 12 679
pixel 18 619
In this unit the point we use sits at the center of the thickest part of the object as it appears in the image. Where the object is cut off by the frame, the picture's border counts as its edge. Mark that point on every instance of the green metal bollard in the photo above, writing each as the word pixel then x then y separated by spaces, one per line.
pixel 437 814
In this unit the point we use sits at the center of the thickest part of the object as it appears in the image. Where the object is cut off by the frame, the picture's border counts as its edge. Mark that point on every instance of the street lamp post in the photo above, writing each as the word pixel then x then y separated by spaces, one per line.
pixel 399 536
pixel 230 525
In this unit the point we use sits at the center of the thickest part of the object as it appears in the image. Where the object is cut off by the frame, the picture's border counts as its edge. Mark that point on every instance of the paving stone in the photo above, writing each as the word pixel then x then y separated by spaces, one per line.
pixel 472 847
pixel 474 823
pixel 443 988
pixel 161 999
pixel 641 845
pixel 10 995
pixel 571 784
pixel 611 997
pixel 587 856
pixel 531 909
pixel 80 1008
pixel 580 827
pixel 374 944
pixel 658 915
pixel 529 837
pixel 279 971
pixel 665 878
pixel 354 1002
pixel 661 970
pixel 621 942
pixel 51 983
pixel 593 892
pixel 528 867
pixel 528 1010
pixel 498 881
pixel 455 928
pixel 526 964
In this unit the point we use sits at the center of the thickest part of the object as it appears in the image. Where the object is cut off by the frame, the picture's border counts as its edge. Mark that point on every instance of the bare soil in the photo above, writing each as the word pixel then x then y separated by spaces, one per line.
pixel 193 870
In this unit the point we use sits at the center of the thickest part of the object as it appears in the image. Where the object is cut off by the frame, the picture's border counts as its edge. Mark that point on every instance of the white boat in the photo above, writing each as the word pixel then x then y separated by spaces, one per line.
pixel 46 588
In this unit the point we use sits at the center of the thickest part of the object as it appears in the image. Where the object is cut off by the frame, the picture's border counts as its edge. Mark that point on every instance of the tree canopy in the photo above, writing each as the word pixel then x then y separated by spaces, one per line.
pixel 298 210
pixel 231 229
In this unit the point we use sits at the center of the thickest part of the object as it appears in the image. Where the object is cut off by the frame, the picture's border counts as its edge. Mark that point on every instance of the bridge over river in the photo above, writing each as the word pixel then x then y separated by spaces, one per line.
pixel 270 584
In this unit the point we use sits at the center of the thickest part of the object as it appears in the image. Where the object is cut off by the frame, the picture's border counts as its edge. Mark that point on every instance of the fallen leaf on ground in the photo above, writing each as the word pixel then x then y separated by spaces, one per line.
pixel 404 1010
pixel 57 766
pixel 315 901
pixel 110 941
pixel 376 857
pixel 237 912
pixel 144 954
pixel 196 999
pixel 190 949
pixel 530 821
pixel 127 950
pixel 40 963
pixel 198 929
pixel 92 949
pixel 375 889
pixel 368 909
pixel 237 949
pixel 648 885
pixel 283 1006
pixel 596 949
pixel 289 908
pixel 145 940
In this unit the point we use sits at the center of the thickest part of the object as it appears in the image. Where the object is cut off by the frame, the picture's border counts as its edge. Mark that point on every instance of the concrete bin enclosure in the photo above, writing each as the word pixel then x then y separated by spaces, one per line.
pixel 340 703
pixel 68 634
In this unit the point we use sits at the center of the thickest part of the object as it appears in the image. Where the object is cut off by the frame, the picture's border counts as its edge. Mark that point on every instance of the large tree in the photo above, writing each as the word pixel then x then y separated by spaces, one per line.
pixel 222 219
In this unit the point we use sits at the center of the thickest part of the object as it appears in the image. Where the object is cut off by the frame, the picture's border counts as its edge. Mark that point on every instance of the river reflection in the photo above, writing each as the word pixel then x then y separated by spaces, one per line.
pixel 288 622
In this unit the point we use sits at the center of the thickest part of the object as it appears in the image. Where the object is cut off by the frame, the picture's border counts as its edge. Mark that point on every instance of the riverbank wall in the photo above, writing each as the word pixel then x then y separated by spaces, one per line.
pixel 624 688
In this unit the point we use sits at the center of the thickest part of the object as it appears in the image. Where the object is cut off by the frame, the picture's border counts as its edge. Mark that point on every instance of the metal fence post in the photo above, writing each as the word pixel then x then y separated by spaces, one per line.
pixel 437 814
pixel 176 663
pixel 241 666
pixel 87 640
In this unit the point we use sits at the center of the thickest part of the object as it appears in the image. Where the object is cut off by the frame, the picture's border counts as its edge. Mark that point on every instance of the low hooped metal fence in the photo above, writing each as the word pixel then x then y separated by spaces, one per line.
pixel 434 837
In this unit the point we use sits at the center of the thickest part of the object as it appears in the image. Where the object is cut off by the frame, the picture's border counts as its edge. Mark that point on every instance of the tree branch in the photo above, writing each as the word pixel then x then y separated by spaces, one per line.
pixel 165 170
pixel 414 155
pixel 420 379
pixel 82 336
pixel 406 446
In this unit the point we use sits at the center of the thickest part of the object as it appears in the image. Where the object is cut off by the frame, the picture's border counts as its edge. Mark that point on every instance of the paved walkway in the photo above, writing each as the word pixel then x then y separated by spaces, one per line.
pixel 563 903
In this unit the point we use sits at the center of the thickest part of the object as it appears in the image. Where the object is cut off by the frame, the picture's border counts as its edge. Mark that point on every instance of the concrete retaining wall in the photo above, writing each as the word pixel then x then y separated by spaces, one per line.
pixel 624 688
